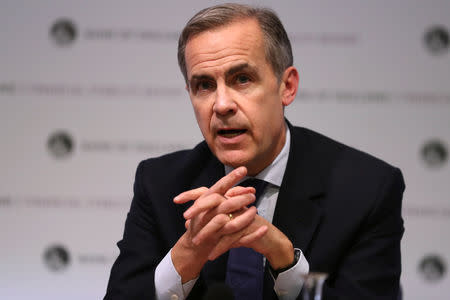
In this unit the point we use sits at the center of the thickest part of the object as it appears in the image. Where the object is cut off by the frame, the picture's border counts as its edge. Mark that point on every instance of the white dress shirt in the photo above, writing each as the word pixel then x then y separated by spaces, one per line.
pixel 288 283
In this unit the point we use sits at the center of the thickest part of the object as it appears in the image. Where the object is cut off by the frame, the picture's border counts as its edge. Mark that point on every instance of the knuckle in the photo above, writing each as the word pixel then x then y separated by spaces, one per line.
pixel 221 219
pixel 233 226
pixel 216 197
pixel 227 206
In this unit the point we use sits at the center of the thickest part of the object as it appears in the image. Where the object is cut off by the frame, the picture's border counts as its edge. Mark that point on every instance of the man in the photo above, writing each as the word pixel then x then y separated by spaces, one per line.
pixel 326 207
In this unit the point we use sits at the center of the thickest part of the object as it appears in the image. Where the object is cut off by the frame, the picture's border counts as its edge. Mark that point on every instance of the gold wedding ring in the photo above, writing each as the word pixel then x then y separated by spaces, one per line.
pixel 230 216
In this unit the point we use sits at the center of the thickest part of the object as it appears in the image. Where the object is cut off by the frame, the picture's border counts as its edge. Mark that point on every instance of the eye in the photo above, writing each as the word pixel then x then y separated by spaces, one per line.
pixel 204 85
pixel 242 79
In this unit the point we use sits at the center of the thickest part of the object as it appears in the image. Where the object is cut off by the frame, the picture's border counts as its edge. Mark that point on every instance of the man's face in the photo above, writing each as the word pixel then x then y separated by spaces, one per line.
pixel 237 99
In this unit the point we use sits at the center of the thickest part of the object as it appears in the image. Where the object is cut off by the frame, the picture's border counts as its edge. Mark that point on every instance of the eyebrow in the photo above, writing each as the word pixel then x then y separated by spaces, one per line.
pixel 233 70
pixel 199 77
pixel 238 68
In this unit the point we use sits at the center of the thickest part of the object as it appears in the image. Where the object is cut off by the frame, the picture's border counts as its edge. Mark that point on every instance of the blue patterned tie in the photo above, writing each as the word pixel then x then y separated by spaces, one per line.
pixel 245 271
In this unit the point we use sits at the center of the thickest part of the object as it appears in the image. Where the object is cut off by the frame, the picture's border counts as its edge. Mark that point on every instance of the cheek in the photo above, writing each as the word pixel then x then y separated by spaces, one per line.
pixel 266 111
pixel 203 116
pixel 269 118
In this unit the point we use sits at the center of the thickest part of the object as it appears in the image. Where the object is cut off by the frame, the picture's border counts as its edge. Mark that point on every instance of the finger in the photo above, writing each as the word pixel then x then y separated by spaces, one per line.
pixel 196 224
pixel 225 244
pixel 230 205
pixel 248 239
pixel 228 181
pixel 190 195
pixel 203 204
pixel 234 241
pixel 239 221
pixel 210 229
pixel 235 203
pixel 239 190
pixel 219 188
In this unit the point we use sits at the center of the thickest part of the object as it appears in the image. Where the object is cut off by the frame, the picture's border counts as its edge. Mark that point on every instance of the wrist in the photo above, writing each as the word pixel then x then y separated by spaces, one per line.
pixel 282 256
pixel 276 272
pixel 186 259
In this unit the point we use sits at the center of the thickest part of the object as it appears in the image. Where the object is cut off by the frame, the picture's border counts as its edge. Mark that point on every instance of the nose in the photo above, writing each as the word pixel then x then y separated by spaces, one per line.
pixel 224 103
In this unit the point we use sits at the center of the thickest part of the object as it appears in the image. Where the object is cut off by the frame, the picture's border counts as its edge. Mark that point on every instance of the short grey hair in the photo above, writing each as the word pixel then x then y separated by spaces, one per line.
pixel 276 42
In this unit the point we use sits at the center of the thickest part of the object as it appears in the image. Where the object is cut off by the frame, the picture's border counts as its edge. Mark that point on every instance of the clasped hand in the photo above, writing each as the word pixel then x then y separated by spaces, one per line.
pixel 210 231
pixel 208 220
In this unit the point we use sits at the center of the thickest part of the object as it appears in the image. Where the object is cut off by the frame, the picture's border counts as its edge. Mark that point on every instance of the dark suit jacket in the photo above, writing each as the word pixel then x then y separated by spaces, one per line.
pixel 340 206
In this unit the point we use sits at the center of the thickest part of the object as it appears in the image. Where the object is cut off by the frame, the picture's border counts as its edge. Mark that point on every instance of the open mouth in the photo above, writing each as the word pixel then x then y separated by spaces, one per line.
pixel 230 133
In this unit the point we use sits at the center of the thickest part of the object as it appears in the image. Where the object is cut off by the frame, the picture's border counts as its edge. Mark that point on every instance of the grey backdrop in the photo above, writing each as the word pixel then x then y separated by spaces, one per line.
pixel 90 88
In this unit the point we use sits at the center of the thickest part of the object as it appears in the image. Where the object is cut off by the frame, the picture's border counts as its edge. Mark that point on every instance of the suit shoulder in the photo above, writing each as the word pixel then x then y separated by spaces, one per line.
pixel 348 172
pixel 330 149
pixel 164 177
pixel 178 161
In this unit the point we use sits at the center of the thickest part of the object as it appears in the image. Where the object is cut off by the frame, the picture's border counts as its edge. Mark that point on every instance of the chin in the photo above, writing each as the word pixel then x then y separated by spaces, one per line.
pixel 233 159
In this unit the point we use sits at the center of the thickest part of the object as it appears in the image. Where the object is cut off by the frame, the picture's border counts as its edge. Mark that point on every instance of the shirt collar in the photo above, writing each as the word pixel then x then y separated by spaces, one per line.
pixel 274 172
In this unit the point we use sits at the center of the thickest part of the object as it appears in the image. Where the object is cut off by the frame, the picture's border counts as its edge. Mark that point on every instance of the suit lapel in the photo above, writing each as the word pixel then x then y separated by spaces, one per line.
pixel 207 171
pixel 297 213
pixel 213 170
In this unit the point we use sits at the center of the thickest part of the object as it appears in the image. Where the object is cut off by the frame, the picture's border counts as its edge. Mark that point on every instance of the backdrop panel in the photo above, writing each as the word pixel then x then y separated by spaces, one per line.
pixel 89 89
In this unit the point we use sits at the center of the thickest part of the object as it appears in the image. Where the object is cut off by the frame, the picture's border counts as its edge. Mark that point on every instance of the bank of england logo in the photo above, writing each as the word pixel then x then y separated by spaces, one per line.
pixel 434 153
pixel 432 268
pixel 63 32
pixel 60 144
pixel 56 258
pixel 436 40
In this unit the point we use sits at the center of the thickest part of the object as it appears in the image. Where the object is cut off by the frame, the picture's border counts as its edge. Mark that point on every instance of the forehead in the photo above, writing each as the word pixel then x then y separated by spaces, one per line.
pixel 218 49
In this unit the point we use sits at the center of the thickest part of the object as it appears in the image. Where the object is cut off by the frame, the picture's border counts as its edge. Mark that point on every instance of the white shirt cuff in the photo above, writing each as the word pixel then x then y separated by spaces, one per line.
pixel 289 283
pixel 168 284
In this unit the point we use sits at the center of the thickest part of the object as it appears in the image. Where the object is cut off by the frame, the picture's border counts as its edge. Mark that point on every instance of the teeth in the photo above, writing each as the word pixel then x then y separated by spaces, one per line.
pixel 231 133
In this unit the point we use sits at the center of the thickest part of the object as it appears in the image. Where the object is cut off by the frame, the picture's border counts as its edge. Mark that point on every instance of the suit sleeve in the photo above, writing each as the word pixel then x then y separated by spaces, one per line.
pixel 132 275
pixel 371 268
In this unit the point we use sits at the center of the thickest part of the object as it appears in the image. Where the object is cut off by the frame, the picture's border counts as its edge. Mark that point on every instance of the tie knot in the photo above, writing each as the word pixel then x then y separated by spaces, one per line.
pixel 258 184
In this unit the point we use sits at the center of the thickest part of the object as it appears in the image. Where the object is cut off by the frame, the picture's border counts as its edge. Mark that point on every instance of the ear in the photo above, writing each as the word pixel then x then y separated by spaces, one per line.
pixel 289 85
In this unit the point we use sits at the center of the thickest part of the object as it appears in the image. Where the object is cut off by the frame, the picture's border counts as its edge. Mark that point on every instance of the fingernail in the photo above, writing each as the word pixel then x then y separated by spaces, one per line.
pixel 240 171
